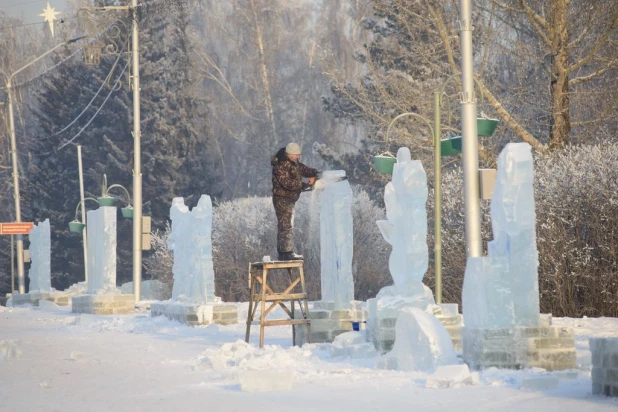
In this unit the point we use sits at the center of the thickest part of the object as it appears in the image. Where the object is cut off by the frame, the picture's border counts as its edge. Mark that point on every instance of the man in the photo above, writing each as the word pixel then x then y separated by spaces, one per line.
pixel 288 173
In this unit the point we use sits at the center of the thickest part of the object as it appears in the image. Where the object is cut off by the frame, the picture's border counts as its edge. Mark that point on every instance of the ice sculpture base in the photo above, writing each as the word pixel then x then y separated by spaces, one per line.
pixel 327 323
pixel 604 366
pixel 103 304
pixel 194 314
pixel 547 347
pixel 383 313
pixel 33 298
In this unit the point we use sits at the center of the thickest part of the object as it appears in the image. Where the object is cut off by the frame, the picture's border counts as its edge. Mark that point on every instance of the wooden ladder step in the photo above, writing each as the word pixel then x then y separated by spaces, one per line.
pixel 280 296
pixel 279 322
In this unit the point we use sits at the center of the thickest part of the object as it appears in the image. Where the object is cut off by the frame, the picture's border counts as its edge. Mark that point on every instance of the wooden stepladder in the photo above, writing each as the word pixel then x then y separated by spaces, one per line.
pixel 260 292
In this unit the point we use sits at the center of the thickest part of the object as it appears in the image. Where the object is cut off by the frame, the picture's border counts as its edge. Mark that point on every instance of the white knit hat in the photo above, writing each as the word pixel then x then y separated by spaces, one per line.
pixel 292 148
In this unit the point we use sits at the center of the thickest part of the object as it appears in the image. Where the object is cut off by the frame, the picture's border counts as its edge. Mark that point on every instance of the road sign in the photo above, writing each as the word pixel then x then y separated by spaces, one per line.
pixel 16 228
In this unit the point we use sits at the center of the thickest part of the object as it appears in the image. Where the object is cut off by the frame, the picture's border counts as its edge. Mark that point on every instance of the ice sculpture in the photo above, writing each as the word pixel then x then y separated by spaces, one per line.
pixel 40 253
pixel 422 342
pixel 191 242
pixel 406 228
pixel 102 250
pixel 502 289
pixel 336 243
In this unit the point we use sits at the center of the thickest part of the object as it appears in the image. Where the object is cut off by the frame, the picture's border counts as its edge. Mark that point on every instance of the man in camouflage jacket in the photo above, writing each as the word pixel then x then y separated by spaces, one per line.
pixel 287 186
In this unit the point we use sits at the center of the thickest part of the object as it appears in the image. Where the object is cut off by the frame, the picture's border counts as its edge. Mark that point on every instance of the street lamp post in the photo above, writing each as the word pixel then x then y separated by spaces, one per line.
pixel 472 206
pixel 14 160
pixel 137 163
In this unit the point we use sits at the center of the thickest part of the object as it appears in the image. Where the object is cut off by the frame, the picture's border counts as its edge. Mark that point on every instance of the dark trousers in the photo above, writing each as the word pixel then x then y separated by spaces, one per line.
pixel 284 209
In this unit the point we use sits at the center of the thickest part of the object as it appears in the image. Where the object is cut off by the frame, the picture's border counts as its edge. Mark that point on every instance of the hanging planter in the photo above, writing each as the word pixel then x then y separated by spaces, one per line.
pixel 76 226
pixel 385 163
pixel 486 126
pixel 127 212
pixel 451 146
pixel 106 201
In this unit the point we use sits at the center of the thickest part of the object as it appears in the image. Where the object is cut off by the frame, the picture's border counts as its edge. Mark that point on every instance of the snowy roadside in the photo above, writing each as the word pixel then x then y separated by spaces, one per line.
pixel 51 359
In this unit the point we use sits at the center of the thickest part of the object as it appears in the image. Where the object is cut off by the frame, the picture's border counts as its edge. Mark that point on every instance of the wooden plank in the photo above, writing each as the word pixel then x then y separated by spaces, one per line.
pixel 287 296
pixel 281 322
pixel 278 265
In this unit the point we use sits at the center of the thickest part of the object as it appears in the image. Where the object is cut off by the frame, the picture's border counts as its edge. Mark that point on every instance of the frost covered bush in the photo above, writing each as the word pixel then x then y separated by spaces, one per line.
pixel 159 262
pixel 577 230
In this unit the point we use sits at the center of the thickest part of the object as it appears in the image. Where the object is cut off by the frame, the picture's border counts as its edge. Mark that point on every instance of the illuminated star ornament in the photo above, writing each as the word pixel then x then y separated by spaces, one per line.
pixel 49 15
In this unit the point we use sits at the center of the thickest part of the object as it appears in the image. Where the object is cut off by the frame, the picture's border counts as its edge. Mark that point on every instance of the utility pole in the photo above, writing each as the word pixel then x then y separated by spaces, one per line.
pixel 472 207
pixel 137 161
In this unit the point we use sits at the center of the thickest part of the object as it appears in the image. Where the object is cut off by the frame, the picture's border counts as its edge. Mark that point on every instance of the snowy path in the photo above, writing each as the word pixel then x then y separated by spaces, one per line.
pixel 55 360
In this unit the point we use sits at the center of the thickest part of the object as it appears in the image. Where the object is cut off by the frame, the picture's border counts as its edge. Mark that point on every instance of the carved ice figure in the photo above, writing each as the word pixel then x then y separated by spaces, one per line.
pixel 101 250
pixel 406 226
pixel 40 253
pixel 191 242
pixel 336 243
pixel 502 289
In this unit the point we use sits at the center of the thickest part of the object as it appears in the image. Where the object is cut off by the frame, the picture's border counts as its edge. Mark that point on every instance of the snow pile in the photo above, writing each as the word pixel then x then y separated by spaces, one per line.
pixel 243 356
pixel 266 380
pixel 422 343
pixel 352 345
pixel 452 376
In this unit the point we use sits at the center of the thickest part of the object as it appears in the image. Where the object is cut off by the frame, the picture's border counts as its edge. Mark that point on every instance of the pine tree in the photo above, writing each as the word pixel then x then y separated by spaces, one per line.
pixel 175 161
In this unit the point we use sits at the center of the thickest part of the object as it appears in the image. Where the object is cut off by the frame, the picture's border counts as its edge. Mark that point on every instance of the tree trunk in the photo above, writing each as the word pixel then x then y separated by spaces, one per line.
pixel 264 72
pixel 560 122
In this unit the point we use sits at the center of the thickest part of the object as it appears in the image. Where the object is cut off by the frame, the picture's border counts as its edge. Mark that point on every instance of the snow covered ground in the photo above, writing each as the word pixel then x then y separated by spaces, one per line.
pixel 51 359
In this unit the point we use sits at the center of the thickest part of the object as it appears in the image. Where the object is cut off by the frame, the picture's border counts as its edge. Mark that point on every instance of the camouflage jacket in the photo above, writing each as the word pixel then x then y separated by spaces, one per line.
pixel 287 176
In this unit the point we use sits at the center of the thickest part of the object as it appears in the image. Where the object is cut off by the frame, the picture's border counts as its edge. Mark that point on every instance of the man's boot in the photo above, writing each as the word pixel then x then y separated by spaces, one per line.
pixel 290 256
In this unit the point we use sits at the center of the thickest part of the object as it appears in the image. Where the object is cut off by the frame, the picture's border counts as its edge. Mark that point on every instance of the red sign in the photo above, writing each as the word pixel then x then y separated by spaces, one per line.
pixel 16 228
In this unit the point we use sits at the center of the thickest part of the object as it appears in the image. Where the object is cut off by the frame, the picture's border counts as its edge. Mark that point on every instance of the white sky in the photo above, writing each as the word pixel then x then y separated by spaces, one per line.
pixel 29 10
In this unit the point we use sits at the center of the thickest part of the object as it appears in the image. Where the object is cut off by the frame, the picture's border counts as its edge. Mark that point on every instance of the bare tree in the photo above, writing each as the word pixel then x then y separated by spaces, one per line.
pixel 544 67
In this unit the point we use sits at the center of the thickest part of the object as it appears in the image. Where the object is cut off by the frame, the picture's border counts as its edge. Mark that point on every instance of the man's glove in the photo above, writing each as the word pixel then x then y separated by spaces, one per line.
pixel 306 187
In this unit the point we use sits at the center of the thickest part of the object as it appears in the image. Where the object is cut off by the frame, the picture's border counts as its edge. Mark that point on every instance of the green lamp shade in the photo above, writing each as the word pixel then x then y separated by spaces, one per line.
pixel 106 201
pixel 127 212
pixel 450 146
pixel 384 164
pixel 77 227
pixel 486 127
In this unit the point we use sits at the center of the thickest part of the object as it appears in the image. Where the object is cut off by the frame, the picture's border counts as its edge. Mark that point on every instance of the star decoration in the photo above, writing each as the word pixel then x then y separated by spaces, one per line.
pixel 49 15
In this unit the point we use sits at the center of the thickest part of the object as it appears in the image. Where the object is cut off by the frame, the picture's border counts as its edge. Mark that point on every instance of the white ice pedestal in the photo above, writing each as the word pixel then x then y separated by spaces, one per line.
pixel 327 322
pixel 336 240
pixel 40 253
pixel 33 298
pixel 383 314
pixel 103 297
pixel 194 314
pixel 604 366
pixel 103 304
pixel 548 347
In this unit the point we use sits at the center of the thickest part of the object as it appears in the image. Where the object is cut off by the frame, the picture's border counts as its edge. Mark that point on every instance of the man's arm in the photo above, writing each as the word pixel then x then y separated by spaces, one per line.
pixel 307 171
